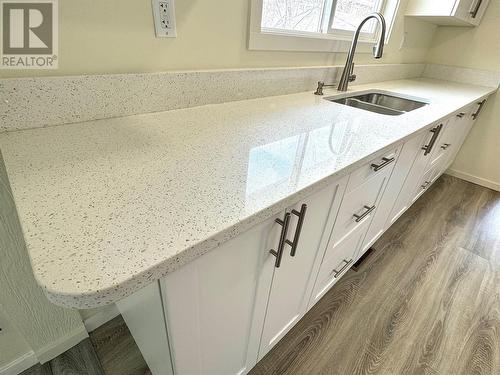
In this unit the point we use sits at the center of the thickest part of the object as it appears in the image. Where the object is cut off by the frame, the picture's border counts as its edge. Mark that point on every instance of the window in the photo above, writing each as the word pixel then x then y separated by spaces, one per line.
pixel 280 21
pixel 318 16
pixel 348 14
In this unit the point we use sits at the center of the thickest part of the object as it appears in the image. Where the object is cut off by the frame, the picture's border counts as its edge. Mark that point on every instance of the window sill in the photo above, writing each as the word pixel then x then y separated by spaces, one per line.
pixel 268 41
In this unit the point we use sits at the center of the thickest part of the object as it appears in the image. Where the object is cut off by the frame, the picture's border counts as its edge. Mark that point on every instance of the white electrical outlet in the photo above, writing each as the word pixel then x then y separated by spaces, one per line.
pixel 164 18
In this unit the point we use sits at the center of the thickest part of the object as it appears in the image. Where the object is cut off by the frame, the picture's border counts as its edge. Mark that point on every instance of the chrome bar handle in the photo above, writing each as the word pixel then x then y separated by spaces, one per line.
pixel 436 130
pixel 364 214
pixel 347 263
pixel 301 215
pixel 386 161
pixel 460 115
pixel 473 12
pixel 481 104
pixel 284 229
pixel 425 185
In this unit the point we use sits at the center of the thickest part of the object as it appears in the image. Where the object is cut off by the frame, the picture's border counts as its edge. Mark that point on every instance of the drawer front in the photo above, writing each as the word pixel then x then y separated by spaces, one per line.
pixel 427 180
pixel 358 206
pixel 337 261
pixel 374 167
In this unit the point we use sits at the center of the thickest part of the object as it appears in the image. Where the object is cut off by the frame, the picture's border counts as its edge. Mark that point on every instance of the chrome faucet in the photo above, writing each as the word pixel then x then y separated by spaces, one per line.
pixel 378 49
pixel 348 72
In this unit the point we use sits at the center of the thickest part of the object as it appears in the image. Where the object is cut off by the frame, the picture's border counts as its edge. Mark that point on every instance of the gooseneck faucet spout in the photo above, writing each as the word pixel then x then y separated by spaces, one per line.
pixel 348 73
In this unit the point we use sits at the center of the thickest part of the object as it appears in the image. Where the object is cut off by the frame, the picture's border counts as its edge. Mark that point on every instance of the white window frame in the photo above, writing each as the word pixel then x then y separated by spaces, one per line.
pixel 333 41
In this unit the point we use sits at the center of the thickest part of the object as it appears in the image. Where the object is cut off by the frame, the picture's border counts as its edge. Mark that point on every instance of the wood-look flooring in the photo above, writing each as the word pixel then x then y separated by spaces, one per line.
pixel 110 350
pixel 427 301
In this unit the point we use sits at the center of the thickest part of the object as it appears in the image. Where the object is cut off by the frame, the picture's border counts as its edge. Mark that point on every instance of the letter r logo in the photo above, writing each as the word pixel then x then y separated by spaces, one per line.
pixel 27 28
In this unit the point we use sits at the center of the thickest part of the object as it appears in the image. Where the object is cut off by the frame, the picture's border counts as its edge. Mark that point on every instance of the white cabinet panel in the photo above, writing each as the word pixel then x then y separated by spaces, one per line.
pixel 439 148
pixel 215 305
pixel 448 12
pixel 338 259
pixel 293 280
pixel 401 170
pixel 459 127
pixel 367 171
pixel 145 318
pixel 406 194
pixel 360 202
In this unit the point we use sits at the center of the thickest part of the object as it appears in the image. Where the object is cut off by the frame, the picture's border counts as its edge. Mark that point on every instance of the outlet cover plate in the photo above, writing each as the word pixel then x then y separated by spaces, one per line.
pixel 164 18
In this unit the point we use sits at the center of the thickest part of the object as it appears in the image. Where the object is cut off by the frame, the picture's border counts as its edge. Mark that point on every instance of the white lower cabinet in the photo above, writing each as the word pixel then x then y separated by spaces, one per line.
pixel 294 279
pixel 380 222
pixel 338 259
pixel 228 308
pixel 215 306
pixel 222 312
pixel 423 143
pixel 457 130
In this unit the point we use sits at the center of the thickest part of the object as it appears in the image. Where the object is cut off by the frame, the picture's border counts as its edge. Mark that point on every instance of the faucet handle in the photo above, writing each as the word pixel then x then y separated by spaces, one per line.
pixel 352 76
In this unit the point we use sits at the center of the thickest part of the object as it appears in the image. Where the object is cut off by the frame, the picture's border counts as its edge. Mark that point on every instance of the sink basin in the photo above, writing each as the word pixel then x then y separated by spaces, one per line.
pixel 380 103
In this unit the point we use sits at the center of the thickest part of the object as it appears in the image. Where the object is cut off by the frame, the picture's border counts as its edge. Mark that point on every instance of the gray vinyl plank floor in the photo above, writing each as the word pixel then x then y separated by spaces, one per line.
pixel 110 350
pixel 427 301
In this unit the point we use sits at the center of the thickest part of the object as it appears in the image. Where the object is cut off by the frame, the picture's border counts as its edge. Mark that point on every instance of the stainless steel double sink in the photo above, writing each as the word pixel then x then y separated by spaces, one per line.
pixel 377 102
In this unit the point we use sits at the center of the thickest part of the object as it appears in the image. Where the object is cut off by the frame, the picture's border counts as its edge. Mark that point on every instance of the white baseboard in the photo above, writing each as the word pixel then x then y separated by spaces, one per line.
pixel 474 179
pixel 64 343
pixel 103 316
pixel 20 364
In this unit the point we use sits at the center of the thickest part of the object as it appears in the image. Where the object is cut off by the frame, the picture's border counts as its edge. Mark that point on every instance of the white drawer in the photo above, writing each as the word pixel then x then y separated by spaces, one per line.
pixel 338 259
pixel 374 167
pixel 427 180
pixel 358 206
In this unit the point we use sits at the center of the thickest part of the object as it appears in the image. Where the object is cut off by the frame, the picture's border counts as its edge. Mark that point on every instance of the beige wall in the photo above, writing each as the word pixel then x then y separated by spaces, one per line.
pixel 117 36
pixel 475 48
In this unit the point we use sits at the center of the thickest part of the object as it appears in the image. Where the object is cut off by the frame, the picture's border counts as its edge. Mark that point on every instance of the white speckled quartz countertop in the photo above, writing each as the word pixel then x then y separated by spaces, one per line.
pixel 109 206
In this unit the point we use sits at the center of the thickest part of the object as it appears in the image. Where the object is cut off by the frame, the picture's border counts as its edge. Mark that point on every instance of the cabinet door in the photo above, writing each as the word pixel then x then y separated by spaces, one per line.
pixel 404 199
pixel 448 12
pixel 471 10
pixel 215 305
pixel 430 7
pixel 294 279
pixel 401 170
pixel 460 127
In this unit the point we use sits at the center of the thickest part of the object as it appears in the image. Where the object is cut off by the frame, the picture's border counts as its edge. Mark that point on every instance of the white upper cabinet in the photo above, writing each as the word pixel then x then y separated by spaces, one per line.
pixel 448 12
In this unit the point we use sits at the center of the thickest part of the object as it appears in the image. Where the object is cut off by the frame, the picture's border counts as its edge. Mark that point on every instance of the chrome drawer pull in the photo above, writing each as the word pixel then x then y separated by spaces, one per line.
pixel 301 215
pixel 445 146
pixel 461 114
pixel 347 263
pixel 386 161
pixel 364 214
pixel 425 185
pixel 428 148
pixel 481 104
pixel 284 229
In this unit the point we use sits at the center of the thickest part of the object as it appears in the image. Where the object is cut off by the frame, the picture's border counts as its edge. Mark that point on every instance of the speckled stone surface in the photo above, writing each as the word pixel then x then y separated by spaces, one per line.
pixel 109 206
pixel 462 75
pixel 46 101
